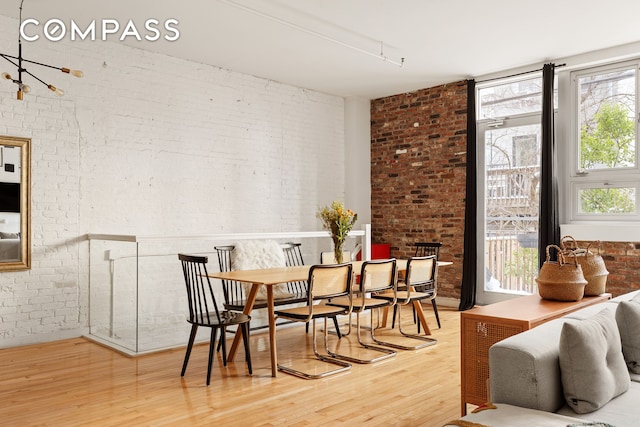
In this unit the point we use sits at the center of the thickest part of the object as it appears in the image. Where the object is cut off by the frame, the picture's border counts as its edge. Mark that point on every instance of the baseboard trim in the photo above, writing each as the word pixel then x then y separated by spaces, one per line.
pixel 448 302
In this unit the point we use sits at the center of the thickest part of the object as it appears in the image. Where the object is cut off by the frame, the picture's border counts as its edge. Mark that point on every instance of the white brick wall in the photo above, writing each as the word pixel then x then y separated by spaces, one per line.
pixel 149 144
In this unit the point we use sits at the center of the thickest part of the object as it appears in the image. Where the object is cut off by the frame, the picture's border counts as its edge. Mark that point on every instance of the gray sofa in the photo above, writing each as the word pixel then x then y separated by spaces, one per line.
pixel 576 370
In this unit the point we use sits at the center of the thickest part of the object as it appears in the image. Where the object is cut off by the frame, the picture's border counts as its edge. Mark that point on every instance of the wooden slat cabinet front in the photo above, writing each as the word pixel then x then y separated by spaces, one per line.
pixel 483 326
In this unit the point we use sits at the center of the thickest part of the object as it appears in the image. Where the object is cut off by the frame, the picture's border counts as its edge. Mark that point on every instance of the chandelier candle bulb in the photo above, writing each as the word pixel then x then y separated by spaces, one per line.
pixel 75 73
pixel 19 62
pixel 55 90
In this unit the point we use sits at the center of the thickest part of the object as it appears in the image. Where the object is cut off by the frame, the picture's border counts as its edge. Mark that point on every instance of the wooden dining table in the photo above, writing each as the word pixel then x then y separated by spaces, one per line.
pixel 272 276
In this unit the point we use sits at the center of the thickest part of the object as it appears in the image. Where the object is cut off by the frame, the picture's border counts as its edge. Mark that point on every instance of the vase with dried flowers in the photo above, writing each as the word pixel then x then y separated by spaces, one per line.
pixel 339 221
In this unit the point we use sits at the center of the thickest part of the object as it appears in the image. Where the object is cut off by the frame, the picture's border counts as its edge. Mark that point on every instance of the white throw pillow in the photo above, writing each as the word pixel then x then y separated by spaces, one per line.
pixel 258 254
pixel 592 368
pixel 628 318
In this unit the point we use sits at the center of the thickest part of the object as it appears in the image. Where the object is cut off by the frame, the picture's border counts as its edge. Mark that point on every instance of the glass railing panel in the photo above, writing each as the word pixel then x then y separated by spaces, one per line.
pixel 137 297
pixel 163 307
pixel 113 293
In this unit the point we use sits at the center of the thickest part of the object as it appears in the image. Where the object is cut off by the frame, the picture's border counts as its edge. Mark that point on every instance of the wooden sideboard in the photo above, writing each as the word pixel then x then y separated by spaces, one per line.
pixel 483 326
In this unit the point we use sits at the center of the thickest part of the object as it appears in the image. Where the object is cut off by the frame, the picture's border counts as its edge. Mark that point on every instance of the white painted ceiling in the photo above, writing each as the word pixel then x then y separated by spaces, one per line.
pixel 304 42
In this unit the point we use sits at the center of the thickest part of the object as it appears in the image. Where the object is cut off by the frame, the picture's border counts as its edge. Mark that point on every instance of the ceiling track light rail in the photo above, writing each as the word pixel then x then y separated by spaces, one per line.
pixel 380 56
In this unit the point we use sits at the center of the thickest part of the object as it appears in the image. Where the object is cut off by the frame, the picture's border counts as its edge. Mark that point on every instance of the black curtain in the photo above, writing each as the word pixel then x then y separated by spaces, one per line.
pixel 470 258
pixel 549 222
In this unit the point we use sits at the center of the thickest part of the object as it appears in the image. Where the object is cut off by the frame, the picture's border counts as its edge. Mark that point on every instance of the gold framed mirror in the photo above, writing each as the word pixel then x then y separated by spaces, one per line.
pixel 15 203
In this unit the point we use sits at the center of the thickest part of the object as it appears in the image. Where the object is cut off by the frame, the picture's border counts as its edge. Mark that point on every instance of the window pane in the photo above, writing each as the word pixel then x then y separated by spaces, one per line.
pixel 524 96
pixel 512 171
pixel 606 111
pixel 509 99
pixel 607 201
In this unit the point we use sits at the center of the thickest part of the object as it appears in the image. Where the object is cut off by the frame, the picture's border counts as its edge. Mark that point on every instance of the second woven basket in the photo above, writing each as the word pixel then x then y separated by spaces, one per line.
pixel 561 280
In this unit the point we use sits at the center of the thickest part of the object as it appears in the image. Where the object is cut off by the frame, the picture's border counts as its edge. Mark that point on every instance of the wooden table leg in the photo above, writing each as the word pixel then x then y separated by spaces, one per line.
pixel 419 311
pixel 423 321
pixel 251 299
pixel 417 306
pixel 385 314
pixel 272 331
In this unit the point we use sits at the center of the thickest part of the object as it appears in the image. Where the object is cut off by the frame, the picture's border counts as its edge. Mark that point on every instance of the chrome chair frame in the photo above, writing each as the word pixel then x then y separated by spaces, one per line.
pixel 425 249
pixel 375 276
pixel 325 282
pixel 416 275
pixel 234 292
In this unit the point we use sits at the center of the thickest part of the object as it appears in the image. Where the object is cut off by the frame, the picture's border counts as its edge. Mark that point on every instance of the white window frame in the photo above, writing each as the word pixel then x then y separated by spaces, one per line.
pixel 575 200
pixel 526 119
pixel 576 179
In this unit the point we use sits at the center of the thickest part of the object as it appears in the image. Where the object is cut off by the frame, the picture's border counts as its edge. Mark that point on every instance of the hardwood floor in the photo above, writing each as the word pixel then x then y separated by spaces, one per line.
pixel 78 382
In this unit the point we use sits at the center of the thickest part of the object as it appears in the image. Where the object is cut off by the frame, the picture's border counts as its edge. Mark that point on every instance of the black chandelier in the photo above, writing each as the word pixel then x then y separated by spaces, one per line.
pixel 19 62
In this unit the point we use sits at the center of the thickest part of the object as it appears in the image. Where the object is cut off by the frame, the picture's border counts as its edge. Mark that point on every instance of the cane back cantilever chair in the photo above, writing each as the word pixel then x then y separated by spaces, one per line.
pixel 203 311
pixel 293 256
pixel 325 282
pixel 421 271
pixel 379 276
pixel 235 297
pixel 426 249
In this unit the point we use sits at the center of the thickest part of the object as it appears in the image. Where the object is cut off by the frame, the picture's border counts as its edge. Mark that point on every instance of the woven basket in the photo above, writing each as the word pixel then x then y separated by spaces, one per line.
pixel 561 280
pixel 593 267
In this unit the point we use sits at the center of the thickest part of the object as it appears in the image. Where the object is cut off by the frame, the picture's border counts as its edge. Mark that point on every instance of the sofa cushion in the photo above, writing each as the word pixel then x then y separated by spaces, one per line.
pixel 621 411
pixel 588 312
pixel 625 297
pixel 628 318
pixel 514 416
pixel 593 370
pixel 525 370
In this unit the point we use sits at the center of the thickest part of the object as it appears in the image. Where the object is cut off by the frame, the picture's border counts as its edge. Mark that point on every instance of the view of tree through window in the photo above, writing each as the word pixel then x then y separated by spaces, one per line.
pixel 598 162
pixel 607 140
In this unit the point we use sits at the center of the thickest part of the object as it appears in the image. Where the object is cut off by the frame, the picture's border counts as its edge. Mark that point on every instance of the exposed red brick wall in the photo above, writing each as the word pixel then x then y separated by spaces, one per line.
pixel 622 260
pixel 418 174
pixel 418 180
